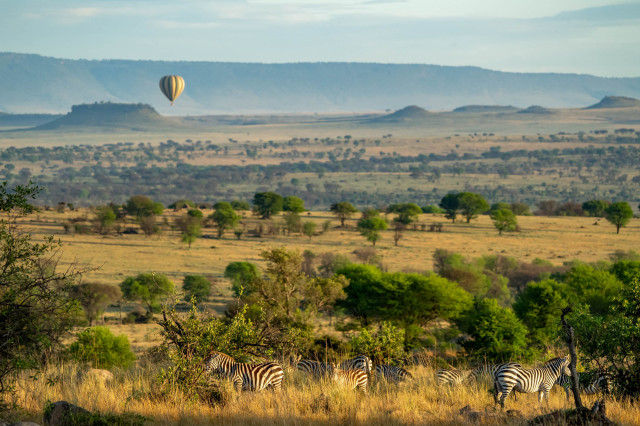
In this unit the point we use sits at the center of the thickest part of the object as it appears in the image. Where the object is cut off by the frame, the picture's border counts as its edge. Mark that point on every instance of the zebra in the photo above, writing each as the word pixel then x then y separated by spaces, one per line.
pixel 524 380
pixel 392 373
pixel 489 372
pixel 354 379
pixel 597 386
pixel 451 376
pixel 361 362
pixel 253 377
pixel 314 368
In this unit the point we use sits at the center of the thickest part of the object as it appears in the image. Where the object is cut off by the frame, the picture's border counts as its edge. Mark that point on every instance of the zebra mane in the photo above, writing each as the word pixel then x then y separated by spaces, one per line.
pixel 555 360
pixel 222 356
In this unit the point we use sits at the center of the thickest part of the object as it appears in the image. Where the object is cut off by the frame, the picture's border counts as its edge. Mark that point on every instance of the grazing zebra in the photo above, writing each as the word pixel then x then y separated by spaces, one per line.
pixel 451 376
pixel 524 380
pixel 353 379
pixel 391 373
pixel 254 377
pixel 361 362
pixel 314 368
pixel 597 386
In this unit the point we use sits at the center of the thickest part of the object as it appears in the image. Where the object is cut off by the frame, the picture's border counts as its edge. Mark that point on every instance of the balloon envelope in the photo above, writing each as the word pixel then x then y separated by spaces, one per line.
pixel 172 86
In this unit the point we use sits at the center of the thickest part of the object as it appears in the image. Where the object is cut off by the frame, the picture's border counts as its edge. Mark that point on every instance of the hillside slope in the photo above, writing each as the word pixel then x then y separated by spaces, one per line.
pixel 50 85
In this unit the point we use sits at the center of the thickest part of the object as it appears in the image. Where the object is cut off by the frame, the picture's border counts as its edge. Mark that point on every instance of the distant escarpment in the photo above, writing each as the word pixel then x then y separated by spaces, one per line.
pixel 485 108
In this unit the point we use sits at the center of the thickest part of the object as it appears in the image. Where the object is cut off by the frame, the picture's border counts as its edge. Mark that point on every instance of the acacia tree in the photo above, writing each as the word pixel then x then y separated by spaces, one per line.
pixel 267 204
pixel 293 204
pixel 149 288
pixel 471 205
pixel 407 212
pixel 35 310
pixel 450 204
pixel 619 214
pixel 371 226
pixel 343 210
pixel 504 220
pixel 95 297
pixel 225 217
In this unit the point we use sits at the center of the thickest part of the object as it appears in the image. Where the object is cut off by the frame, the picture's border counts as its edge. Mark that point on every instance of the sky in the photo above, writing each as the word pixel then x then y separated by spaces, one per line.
pixel 598 37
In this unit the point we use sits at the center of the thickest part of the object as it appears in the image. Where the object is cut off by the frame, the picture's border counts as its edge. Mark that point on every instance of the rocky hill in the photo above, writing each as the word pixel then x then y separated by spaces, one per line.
pixel 616 102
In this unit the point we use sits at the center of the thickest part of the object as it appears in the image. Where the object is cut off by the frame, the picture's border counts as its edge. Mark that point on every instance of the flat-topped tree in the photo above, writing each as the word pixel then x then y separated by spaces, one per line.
pixel 343 210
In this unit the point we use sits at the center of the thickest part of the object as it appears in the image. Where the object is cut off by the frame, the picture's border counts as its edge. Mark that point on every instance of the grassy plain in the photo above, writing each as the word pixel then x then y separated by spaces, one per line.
pixel 302 402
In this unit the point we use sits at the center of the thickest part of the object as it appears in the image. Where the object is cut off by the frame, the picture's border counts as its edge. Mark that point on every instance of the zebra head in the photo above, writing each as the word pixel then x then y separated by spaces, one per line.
pixel 216 363
pixel 560 365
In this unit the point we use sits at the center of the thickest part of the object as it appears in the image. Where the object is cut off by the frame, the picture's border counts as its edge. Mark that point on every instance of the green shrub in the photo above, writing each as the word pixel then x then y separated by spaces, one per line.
pixel 196 286
pixel 102 349
pixel 383 346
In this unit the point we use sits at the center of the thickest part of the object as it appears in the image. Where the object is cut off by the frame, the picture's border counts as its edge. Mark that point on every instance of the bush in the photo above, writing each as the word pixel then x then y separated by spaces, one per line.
pixel 102 349
pixel 385 345
pixel 196 286
pixel 496 333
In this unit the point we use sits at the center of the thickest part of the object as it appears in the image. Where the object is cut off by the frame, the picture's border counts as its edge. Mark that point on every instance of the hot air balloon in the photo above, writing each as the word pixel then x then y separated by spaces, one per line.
pixel 172 86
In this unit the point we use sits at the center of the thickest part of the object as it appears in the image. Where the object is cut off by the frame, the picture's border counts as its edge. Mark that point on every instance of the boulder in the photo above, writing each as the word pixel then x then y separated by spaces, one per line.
pixel 62 413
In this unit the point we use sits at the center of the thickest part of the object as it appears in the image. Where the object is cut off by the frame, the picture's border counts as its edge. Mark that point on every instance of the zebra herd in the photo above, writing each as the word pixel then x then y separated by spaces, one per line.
pixel 356 373
pixel 353 373
pixel 509 377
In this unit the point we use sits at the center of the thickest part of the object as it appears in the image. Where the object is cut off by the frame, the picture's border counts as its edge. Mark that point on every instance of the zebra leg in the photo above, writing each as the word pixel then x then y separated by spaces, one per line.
pixel 505 394
pixel 237 384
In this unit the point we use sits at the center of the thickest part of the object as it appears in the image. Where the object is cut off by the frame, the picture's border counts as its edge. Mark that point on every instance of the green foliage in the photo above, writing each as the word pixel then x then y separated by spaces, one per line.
pixel 195 213
pixel 496 334
pixel 371 226
pixel 343 210
pixel 197 287
pixel 593 287
pixel 520 209
pixel 35 310
pixel 471 205
pixel 407 299
pixel 95 297
pixel 102 349
pixel 538 307
pixel 595 208
pixel 293 204
pixel 450 204
pixel 504 220
pixel 241 275
pixel 149 288
pixel 612 343
pixel 383 346
pixel 292 222
pixel 432 209
pixel 141 206
pixel 619 214
pixel 626 270
pixel 104 219
pixel 407 212
pixel 267 204
pixel 498 206
pixel 225 217
pixel 240 205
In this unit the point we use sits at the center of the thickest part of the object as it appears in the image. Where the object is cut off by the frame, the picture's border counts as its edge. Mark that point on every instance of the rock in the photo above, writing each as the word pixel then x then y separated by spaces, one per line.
pixel 62 413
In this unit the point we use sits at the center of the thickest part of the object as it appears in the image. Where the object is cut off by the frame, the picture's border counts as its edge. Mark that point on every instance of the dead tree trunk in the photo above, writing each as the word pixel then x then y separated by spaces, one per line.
pixel 571 342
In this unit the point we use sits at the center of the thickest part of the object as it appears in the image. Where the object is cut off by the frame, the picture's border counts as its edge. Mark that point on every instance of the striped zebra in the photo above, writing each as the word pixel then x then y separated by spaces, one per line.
pixel 599 385
pixel 391 373
pixel 253 377
pixel 353 379
pixel 488 372
pixel 314 368
pixel 541 379
pixel 451 376
pixel 361 362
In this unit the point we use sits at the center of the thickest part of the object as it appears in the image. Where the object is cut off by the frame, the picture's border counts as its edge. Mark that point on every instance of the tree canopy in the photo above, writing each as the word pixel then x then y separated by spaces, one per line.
pixel 267 204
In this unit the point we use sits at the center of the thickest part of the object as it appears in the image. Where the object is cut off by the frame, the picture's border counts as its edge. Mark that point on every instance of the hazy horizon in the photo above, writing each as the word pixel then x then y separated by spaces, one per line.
pixel 597 37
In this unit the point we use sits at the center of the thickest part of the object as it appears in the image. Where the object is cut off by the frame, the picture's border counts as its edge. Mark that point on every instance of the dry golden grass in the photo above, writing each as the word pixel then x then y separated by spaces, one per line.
pixel 301 402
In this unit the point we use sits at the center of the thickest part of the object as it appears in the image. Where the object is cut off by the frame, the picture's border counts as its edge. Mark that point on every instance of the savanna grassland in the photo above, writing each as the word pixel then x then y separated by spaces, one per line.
pixel 568 155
